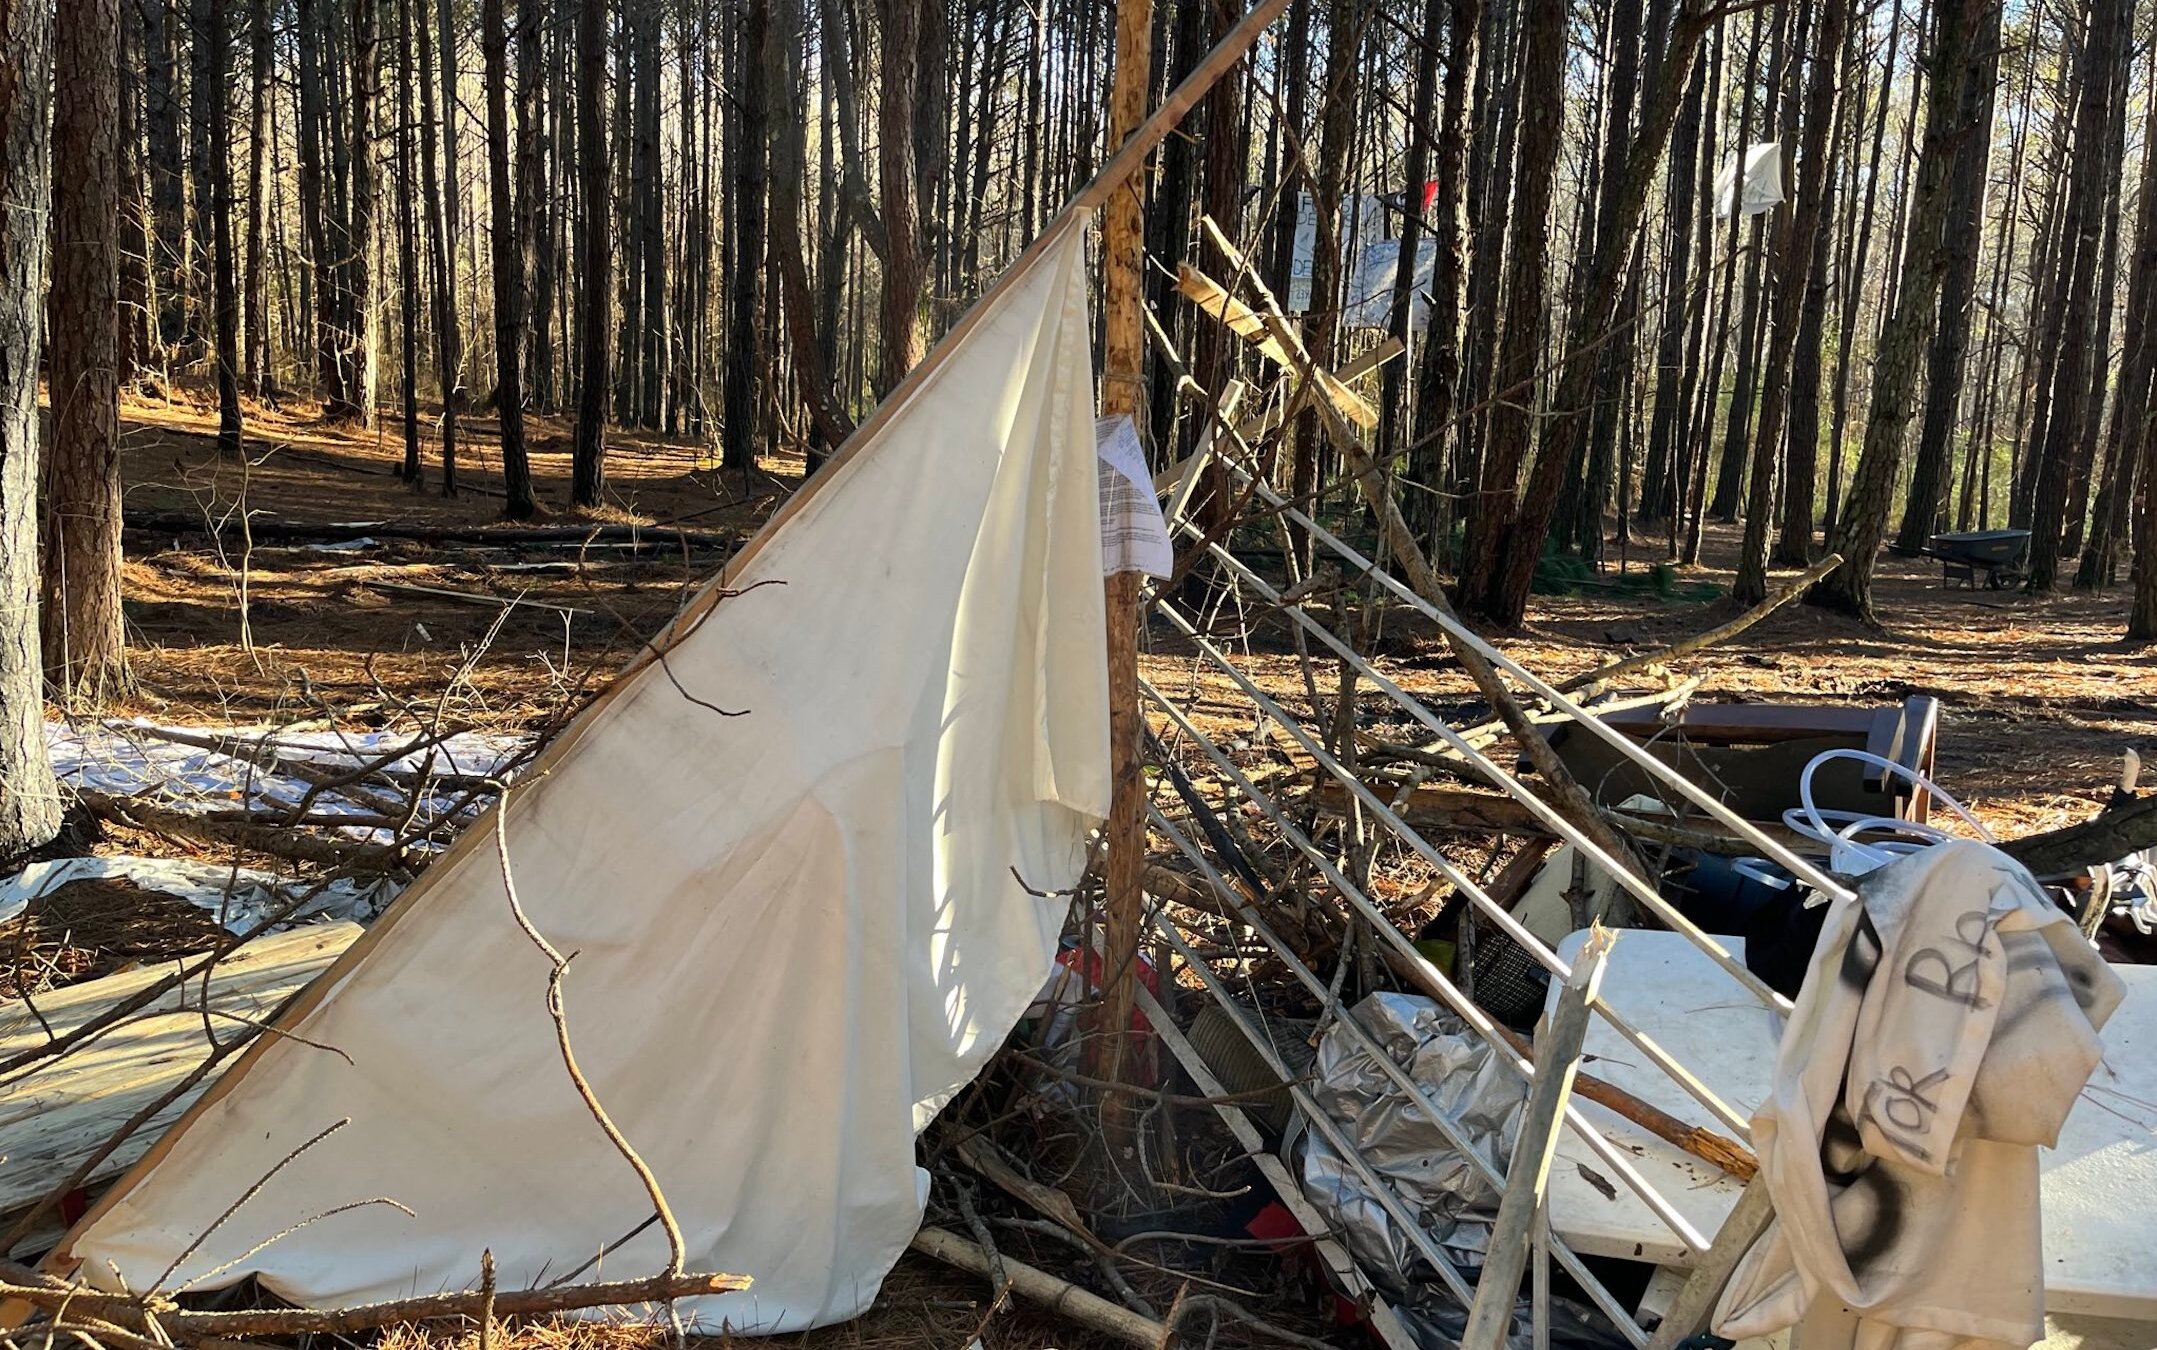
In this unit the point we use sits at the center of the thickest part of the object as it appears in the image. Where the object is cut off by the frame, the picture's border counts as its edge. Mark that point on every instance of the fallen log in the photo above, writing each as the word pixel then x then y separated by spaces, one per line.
pixel 272 529
pixel 471 597
pixel 39 1291
pixel 276 841
pixel 1061 1297
pixel 1699 641
pixel 2106 837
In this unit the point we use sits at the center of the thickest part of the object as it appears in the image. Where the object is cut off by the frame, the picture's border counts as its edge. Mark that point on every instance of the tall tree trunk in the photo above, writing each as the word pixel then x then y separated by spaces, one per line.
pixel 1797 250
pixel 2138 368
pixel 1540 94
pixel 29 799
pixel 1793 545
pixel 1854 274
pixel 1505 597
pixel 441 208
pixel 224 283
pixel 1438 386
pixel 1179 37
pixel 1329 255
pixel 407 249
pixel 1683 315
pixel 352 396
pixel 589 453
pixel 2048 271
pixel 2103 54
pixel 785 78
pixel 206 96
pixel 168 167
pixel 629 285
pixel 932 131
pixel 1586 486
pixel 1294 72
pixel 137 325
pixel 895 156
pixel 257 354
pixel 2142 617
pixel 1961 27
pixel 745 364
pixel 2085 451
pixel 1490 181
pixel 1394 425
pixel 689 225
pixel 650 224
pixel 542 210
pixel 314 214
pixel 531 190
pixel 83 638
pixel 1737 434
pixel 510 265
pixel 1227 151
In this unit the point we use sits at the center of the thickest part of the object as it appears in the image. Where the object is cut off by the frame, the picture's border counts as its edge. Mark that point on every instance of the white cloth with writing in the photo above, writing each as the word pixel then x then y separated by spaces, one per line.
pixel 1134 536
pixel 1948 1021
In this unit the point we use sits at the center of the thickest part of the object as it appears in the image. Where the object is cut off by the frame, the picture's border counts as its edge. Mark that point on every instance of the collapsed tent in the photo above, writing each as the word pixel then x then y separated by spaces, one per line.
pixel 796 858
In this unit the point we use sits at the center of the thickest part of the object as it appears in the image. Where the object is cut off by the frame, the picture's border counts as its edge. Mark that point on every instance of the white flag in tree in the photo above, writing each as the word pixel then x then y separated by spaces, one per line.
pixel 1763 187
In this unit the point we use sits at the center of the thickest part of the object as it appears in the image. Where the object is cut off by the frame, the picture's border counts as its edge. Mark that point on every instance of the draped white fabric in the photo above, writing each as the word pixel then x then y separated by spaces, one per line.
pixel 1950 1017
pixel 798 931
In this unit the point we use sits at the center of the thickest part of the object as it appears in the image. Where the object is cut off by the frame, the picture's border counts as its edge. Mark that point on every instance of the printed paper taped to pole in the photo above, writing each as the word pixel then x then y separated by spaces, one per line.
pixel 797 931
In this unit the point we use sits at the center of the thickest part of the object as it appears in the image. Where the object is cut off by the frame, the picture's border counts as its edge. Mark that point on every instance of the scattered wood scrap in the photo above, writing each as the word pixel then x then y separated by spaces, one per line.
pixel 1246 323
pixel 273 529
pixel 56 1115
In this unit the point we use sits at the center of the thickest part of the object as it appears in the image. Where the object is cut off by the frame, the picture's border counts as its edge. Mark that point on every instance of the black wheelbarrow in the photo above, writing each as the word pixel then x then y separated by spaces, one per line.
pixel 1998 558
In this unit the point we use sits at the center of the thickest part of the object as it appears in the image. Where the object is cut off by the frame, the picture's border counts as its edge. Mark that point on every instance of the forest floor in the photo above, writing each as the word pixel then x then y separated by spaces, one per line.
pixel 2039 696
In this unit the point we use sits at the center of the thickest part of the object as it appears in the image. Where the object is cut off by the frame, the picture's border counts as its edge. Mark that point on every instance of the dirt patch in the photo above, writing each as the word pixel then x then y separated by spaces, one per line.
pixel 93 928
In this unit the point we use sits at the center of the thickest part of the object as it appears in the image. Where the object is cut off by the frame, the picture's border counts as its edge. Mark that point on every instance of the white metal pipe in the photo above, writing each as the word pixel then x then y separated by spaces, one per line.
pixel 1400 1077
pixel 1434 981
pixel 1635 884
pixel 1618 740
pixel 1497 913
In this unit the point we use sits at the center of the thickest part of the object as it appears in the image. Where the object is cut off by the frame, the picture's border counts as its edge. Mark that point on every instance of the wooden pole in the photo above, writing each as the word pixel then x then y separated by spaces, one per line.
pixel 1060 1297
pixel 1557 1060
pixel 1123 261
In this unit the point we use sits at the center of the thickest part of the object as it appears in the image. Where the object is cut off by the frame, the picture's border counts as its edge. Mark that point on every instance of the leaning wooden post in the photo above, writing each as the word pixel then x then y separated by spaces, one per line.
pixel 1123 261
pixel 1557 1059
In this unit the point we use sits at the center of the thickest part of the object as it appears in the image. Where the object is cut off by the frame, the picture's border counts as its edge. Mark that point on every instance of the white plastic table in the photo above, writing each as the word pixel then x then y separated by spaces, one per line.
pixel 2099 1185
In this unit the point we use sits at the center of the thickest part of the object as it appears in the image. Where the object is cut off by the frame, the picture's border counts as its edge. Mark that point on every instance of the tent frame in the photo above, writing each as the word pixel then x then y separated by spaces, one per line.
pixel 1075 215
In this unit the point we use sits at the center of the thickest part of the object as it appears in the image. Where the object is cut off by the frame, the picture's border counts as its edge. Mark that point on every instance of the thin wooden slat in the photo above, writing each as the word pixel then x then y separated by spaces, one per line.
pixel 1246 323
pixel 54 1116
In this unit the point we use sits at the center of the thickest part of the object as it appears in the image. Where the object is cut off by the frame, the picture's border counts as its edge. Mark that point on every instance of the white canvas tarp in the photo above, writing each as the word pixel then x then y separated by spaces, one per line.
pixel 797 931
pixel 1372 259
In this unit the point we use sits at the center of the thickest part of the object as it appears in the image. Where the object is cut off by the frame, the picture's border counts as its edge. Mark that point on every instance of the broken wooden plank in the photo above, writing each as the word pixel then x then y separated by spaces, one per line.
pixel 469 597
pixel 56 1116
pixel 1246 323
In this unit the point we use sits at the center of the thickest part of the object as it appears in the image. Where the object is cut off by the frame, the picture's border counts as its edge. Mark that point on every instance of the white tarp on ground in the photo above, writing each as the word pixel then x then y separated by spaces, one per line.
pixel 799 931
pixel 128 758
pixel 240 897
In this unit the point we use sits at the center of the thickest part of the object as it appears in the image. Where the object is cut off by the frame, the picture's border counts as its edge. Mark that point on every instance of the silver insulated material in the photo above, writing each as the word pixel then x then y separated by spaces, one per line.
pixel 1396 1138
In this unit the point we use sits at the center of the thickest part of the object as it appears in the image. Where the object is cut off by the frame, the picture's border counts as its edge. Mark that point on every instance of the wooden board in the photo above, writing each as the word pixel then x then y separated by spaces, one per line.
pixel 1246 323
pixel 2099 1224
pixel 57 1114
